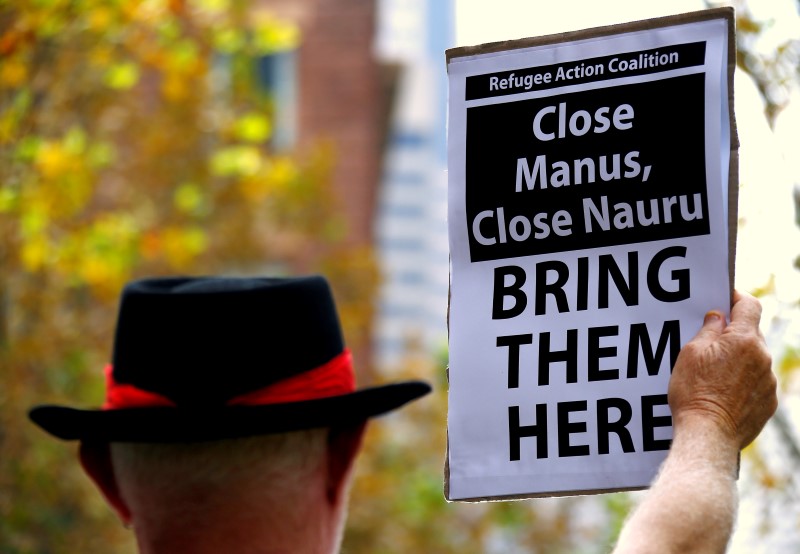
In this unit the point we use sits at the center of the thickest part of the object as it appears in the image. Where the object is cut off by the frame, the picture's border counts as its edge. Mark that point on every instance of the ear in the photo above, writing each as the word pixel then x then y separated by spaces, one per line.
pixel 96 461
pixel 344 444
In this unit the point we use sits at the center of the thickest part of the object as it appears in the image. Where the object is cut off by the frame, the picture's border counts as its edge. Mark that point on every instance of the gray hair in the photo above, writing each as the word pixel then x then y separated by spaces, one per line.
pixel 155 478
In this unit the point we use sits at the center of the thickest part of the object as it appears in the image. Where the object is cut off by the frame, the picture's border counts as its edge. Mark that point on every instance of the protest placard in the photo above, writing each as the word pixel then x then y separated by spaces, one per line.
pixel 592 208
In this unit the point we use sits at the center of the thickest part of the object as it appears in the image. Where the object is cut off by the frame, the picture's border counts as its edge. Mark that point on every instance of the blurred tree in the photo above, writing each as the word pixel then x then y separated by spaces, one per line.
pixel 134 140
pixel 769 472
pixel 403 463
pixel 775 71
pixel 398 501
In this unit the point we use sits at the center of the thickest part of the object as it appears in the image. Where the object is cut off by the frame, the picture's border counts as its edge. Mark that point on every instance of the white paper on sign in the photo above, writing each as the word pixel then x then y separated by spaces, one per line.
pixel 588 220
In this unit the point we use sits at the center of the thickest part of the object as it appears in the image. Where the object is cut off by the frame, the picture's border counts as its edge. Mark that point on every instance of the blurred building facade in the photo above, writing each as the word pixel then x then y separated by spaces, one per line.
pixel 411 224
pixel 339 97
pixel 333 92
pixel 369 80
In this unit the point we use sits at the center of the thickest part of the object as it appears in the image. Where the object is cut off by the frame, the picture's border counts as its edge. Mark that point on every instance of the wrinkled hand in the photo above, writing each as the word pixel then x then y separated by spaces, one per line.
pixel 723 375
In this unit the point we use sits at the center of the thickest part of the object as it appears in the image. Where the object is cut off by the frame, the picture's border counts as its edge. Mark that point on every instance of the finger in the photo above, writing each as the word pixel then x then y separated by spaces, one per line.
pixel 746 311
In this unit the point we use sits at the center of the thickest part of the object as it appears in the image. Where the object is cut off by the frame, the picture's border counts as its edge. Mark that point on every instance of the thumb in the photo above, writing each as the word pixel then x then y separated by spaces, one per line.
pixel 713 325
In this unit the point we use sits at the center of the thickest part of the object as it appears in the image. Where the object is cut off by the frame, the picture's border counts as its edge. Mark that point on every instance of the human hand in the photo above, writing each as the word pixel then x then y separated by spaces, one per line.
pixel 723 376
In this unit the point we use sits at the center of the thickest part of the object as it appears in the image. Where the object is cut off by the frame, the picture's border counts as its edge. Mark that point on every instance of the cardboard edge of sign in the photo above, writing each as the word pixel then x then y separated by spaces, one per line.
pixel 728 14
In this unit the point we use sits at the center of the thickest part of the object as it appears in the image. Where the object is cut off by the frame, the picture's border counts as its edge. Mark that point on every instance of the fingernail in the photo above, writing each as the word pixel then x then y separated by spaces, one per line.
pixel 712 316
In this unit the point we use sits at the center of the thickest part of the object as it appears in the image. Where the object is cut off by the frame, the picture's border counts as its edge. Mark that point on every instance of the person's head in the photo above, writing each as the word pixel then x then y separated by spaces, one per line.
pixel 231 418
pixel 284 492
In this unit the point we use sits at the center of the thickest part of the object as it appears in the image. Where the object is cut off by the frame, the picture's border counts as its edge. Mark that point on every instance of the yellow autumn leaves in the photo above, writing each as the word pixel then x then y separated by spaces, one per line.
pixel 77 81
pixel 135 139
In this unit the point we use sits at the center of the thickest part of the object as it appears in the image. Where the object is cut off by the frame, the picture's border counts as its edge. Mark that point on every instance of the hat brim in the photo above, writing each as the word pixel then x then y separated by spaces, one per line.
pixel 167 424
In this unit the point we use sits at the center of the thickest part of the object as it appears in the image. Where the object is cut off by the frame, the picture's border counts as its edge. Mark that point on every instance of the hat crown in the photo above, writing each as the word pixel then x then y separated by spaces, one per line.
pixel 201 341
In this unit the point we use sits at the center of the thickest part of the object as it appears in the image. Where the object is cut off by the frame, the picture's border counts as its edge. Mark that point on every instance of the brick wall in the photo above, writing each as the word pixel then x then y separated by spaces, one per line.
pixel 339 100
pixel 342 101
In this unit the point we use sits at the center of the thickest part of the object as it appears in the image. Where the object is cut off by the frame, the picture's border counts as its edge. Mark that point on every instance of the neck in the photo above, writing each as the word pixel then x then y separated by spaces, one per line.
pixel 202 543
pixel 315 531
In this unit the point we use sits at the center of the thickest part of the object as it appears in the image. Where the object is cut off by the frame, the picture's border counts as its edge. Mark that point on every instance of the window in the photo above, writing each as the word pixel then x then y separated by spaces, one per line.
pixel 276 73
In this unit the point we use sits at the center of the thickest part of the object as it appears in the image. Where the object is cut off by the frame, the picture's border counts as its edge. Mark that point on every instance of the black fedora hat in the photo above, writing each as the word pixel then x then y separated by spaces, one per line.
pixel 209 358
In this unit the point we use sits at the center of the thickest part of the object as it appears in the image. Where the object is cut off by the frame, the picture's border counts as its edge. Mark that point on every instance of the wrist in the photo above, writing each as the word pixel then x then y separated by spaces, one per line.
pixel 705 440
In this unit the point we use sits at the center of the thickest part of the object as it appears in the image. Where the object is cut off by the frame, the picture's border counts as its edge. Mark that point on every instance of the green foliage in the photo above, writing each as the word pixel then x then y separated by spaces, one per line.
pixel 398 496
pixel 618 506
pixel 774 71
pixel 767 481
pixel 133 141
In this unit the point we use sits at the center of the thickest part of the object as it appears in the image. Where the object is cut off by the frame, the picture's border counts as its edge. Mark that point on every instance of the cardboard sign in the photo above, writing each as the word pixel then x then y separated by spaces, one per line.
pixel 592 179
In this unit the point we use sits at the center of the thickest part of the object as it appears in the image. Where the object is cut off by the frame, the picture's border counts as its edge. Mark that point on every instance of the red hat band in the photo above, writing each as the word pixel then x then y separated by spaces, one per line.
pixel 332 378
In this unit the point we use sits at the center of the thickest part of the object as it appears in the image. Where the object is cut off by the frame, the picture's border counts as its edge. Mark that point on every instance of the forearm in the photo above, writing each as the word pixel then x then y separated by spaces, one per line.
pixel 691 506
